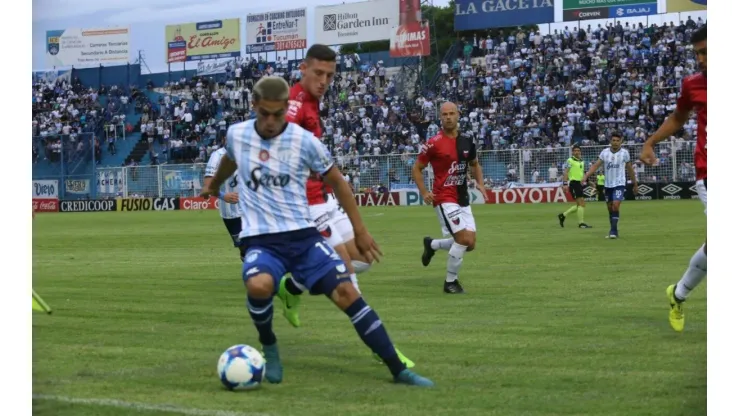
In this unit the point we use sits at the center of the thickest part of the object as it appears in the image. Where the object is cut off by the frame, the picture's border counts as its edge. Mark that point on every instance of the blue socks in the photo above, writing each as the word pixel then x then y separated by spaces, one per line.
pixel 373 334
pixel 614 219
pixel 261 312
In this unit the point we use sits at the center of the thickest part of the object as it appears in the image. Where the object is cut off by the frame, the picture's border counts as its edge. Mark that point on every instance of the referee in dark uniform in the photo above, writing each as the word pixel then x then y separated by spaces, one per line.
pixel 572 177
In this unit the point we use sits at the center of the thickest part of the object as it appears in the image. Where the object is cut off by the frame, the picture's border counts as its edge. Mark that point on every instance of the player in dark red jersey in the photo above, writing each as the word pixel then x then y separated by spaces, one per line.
pixel 450 156
pixel 693 97
pixel 317 72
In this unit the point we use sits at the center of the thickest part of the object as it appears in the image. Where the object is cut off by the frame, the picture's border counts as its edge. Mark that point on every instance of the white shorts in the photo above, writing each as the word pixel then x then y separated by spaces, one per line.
pixel 453 218
pixel 332 222
pixel 701 190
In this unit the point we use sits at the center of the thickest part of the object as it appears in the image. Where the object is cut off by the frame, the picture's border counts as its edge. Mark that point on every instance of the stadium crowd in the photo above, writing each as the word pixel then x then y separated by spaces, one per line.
pixel 69 120
pixel 521 90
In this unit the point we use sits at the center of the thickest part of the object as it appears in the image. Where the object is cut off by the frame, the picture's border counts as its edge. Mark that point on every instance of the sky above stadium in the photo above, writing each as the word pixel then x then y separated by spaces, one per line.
pixel 147 20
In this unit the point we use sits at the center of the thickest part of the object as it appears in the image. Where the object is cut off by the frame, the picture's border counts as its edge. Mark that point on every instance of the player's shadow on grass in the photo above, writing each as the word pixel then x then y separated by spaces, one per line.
pixel 343 360
pixel 372 370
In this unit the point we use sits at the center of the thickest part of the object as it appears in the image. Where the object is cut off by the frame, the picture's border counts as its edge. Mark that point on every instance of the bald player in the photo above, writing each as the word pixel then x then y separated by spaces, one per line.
pixel 450 156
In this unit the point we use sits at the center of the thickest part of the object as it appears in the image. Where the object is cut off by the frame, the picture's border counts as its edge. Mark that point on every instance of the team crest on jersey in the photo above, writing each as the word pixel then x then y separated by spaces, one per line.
pixel 264 155
pixel 252 256
pixel 465 154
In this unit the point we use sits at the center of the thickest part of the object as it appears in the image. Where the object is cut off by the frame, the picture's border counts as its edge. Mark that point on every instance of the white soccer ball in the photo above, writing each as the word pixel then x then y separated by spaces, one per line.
pixel 241 367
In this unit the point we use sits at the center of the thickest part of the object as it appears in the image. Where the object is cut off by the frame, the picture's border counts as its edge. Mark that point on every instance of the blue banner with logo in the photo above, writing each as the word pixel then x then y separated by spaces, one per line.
pixel 185 179
pixel 633 10
pixel 485 14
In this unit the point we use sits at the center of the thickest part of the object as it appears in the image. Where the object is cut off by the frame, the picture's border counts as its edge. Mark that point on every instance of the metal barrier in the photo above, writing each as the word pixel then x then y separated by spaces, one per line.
pixel 499 168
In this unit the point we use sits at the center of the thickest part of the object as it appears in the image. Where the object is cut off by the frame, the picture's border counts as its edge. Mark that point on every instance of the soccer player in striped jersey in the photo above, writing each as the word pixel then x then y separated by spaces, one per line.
pixel 273 160
pixel 229 207
pixel 614 159
pixel 693 98
pixel 572 178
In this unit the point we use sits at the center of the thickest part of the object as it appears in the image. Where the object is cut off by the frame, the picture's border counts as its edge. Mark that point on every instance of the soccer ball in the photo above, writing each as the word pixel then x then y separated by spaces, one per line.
pixel 241 367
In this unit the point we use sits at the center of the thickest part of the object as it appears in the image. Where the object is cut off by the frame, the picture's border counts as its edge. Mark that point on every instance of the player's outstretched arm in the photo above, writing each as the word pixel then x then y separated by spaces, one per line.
pixel 591 171
pixel 365 243
pixel 226 168
pixel 671 125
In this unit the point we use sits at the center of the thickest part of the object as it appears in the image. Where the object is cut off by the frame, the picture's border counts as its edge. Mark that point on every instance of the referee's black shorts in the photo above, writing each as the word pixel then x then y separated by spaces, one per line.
pixel 576 189
pixel 600 192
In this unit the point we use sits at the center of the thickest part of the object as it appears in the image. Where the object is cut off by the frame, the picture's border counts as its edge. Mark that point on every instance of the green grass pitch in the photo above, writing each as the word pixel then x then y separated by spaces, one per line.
pixel 556 321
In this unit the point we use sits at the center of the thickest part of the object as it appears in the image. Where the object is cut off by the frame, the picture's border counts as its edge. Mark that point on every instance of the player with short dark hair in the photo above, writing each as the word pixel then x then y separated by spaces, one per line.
pixel 317 71
pixel 693 98
pixel 614 159
pixel 451 155
pixel 572 177
pixel 273 160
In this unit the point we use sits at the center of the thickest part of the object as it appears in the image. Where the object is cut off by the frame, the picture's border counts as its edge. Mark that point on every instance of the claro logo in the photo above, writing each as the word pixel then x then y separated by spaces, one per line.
pixel 199 203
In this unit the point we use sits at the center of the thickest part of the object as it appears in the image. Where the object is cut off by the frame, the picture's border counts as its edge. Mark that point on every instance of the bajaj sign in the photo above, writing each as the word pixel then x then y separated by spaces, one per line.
pixel 355 22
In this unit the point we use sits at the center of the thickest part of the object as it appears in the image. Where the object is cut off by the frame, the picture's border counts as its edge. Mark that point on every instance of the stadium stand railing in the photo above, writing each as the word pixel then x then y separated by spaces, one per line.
pixel 501 168
pixel 452 53
pixel 60 156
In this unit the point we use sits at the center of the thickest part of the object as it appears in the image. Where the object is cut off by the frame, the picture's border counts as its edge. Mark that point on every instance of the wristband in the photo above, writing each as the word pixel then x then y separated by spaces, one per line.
pixel 565 183
pixel 221 196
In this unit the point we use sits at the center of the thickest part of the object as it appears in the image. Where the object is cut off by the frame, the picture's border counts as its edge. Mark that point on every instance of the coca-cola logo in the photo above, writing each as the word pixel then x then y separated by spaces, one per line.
pixel 45 205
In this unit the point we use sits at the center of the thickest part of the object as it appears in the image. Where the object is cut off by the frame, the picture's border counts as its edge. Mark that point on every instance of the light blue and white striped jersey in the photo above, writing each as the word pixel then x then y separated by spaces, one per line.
pixel 614 167
pixel 272 176
pixel 226 209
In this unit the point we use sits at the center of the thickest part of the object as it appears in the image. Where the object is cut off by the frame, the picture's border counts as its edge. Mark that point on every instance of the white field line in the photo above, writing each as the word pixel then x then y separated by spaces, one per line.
pixel 142 406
